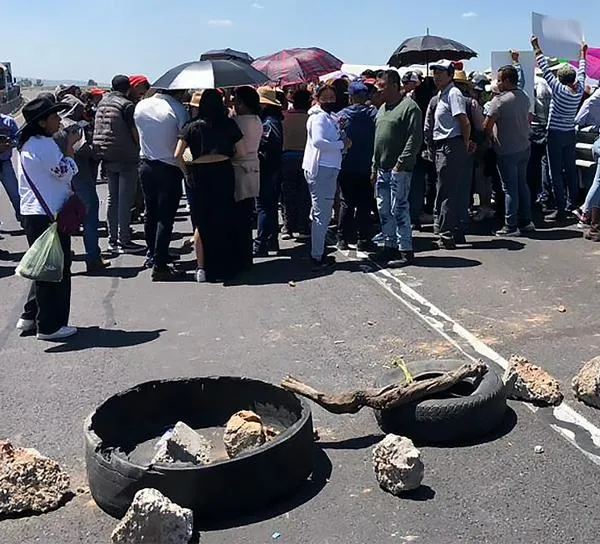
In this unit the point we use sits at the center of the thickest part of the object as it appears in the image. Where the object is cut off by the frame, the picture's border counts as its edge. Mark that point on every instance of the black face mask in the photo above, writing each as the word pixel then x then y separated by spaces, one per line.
pixel 328 107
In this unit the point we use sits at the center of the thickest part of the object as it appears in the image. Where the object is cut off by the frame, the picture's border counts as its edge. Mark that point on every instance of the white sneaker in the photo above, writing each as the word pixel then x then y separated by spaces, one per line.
pixel 200 276
pixel 60 334
pixel 26 325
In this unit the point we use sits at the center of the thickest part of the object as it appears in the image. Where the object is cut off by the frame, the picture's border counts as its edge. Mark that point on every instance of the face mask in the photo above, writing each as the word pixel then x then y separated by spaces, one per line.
pixel 328 107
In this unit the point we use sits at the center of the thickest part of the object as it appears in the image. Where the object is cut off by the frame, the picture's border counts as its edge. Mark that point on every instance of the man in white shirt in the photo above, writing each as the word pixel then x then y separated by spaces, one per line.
pixel 159 120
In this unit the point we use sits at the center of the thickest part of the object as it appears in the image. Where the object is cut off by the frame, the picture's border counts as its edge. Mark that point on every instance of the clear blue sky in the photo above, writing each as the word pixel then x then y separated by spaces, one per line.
pixel 81 39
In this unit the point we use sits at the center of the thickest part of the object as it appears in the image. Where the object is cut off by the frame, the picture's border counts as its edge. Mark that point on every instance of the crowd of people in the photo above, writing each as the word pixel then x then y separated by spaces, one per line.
pixel 375 158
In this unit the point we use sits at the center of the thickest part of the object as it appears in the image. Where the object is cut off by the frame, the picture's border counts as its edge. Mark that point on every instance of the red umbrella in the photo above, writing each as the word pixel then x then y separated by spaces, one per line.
pixel 296 65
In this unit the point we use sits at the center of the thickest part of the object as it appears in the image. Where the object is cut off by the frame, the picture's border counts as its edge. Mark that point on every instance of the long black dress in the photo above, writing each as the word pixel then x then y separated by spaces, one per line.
pixel 212 194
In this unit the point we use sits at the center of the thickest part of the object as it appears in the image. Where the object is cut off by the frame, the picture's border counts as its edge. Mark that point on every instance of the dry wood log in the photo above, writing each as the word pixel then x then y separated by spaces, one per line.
pixel 387 397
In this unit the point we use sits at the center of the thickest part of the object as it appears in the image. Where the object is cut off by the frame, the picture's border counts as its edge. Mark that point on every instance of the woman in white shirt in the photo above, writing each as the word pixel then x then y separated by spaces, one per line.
pixel 45 176
pixel 247 169
pixel 322 163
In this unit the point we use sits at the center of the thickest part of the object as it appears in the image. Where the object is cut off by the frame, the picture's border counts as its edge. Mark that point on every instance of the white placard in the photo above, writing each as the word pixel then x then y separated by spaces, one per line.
pixel 558 37
pixel 527 61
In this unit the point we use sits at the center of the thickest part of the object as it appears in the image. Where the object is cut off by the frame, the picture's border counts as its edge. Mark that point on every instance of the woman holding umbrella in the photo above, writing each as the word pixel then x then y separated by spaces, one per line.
pixel 211 138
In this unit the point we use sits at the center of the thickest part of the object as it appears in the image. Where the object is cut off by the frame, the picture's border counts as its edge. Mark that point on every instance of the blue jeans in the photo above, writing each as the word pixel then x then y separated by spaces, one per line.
pixel 85 189
pixel 11 186
pixel 392 190
pixel 322 188
pixel 513 173
pixel 592 200
pixel 267 236
pixel 562 157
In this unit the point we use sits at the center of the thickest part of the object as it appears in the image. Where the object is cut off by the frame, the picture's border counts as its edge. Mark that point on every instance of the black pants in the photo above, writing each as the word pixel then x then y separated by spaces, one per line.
pixel 538 173
pixel 48 303
pixel 161 184
pixel 244 214
pixel 267 236
pixel 295 195
pixel 356 192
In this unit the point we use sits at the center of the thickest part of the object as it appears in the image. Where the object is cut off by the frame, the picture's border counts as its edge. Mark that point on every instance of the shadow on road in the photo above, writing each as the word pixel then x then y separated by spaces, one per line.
pixel 435 261
pixel 359 443
pixel 7 271
pixel 97 337
pixel 421 494
pixel 498 243
pixel 123 272
pixel 558 234
pixel 305 493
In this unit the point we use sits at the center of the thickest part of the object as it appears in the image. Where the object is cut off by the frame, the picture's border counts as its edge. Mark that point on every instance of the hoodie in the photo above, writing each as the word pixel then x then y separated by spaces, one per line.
pixel 324 143
pixel 358 122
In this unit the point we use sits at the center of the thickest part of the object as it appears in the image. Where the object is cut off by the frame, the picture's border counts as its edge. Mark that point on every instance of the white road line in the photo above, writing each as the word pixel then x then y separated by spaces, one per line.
pixel 564 419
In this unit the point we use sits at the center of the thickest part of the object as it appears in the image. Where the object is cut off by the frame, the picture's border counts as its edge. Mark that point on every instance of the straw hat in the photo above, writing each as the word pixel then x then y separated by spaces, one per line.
pixel 268 96
pixel 460 76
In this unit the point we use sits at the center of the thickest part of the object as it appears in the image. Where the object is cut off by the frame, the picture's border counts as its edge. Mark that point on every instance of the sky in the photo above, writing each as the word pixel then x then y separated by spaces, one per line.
pixel 83 39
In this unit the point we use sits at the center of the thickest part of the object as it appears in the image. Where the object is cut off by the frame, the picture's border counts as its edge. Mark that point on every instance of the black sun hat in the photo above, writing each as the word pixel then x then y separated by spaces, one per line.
pixel 41 108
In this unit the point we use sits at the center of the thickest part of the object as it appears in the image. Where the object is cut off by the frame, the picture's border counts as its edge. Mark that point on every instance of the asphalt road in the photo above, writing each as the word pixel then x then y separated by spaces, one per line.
pixel 336 332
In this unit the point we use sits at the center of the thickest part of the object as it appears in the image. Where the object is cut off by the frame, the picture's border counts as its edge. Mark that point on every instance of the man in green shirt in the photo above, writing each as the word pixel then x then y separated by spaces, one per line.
pixel 398 139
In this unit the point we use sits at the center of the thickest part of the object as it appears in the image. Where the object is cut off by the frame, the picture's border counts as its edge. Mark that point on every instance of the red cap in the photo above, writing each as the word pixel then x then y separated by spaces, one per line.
pixel 134 81
pixel 96 92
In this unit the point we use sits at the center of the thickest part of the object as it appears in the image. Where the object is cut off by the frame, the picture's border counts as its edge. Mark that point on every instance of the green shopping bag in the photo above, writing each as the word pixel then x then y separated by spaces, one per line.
pixel 44 260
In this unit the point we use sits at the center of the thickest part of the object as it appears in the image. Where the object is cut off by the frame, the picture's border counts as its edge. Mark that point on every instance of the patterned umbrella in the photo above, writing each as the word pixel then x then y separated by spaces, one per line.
pixel 427 49
pixel 297 65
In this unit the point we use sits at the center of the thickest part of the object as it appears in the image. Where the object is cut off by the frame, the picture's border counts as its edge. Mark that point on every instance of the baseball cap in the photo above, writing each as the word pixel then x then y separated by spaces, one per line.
pixel 479 82
pixel 444 65
pixel 357 87
pixel 411 77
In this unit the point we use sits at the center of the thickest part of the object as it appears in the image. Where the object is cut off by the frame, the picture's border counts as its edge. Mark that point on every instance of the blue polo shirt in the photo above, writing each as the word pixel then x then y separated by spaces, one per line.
pixel 8 128
pixel 451 103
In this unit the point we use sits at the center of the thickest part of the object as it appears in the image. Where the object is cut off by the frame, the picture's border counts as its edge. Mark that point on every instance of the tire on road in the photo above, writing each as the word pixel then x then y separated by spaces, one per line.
pixel 470 410
pixel 224 488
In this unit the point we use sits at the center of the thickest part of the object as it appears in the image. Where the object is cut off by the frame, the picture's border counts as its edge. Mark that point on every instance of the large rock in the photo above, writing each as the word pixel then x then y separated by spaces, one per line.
pixel 397 464
pixel 154 519
pixel 183 444
pixel 586 384
pixel 29 482
pixel 244 431
pixel 528 382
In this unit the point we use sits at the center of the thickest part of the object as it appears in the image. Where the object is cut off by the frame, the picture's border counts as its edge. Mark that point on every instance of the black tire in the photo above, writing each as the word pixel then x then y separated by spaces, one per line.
pixel 219 490
pixel 471 411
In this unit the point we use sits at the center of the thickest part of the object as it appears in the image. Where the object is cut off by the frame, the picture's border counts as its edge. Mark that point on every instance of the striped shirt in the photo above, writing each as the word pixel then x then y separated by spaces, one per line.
pixel 565 101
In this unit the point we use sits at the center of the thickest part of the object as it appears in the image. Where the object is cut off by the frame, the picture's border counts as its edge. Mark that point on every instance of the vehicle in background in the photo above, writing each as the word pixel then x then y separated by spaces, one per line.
pixel 10 92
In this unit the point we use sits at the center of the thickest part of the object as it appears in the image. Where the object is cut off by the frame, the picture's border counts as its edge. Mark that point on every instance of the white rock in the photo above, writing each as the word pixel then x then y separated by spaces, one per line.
pixel 397 464
pixel 586 384
pixel 154 519
pixel 183 444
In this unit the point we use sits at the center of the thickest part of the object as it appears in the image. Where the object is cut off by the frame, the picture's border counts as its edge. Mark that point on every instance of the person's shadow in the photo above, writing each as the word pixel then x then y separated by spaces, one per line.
pixel 97 337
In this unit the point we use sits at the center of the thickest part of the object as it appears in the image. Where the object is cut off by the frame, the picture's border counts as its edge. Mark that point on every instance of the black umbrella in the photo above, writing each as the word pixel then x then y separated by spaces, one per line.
pixel 427 49
pixel 227 54
pixel 210 74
